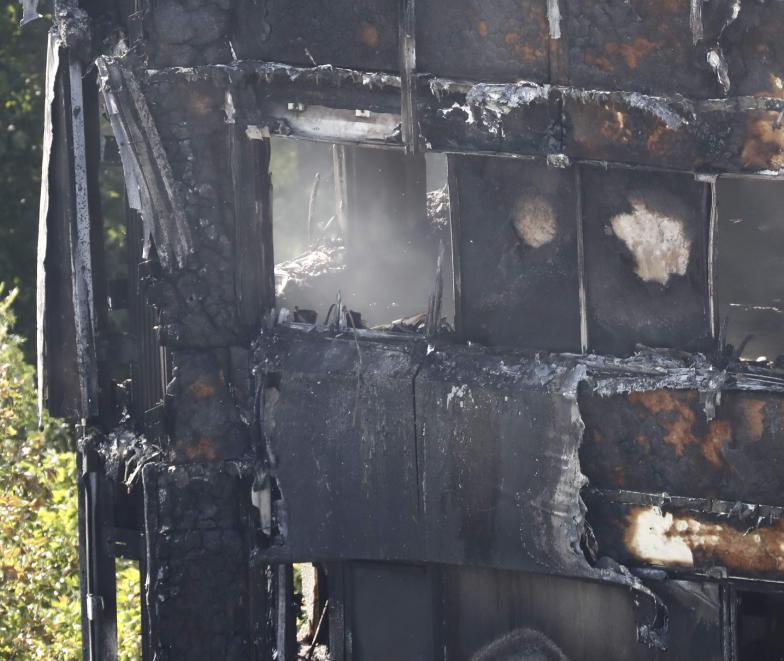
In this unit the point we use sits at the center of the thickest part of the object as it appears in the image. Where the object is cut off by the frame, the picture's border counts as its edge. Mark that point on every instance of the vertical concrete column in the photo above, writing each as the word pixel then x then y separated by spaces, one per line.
pixel 203 191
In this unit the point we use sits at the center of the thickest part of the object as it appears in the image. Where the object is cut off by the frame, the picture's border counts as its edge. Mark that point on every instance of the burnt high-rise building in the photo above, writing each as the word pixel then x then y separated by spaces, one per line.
pixel 470 309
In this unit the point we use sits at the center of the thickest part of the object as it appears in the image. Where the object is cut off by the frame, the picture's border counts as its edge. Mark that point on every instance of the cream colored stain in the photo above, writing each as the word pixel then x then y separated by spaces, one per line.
pixel 659 244
pixel 671 540
pixel 534 220
pixel 653 537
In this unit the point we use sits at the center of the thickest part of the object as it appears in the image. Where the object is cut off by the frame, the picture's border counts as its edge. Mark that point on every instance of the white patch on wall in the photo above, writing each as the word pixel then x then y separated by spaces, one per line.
pixel 658 242
pixel 458 393
pixel 653 537
pixel 534 220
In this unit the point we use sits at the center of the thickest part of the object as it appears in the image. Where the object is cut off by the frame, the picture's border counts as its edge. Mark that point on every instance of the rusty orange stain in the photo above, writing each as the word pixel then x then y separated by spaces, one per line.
pixel 675 415
pixel 204 449
pixel 668 539
pixel 368 34
pixel 679 419
pixel 524 50
pixel 632 53
pixel 482 28
pixel 202 388
pixel 614 128
pixel 764 146
pixel 599 62
pixel 719 433
pixel 674 6
pixel 643 441
pixel 776 89
pixel 618 476
pixel 528 53
pixel 657 143
pixel 201 105
pixel 754 414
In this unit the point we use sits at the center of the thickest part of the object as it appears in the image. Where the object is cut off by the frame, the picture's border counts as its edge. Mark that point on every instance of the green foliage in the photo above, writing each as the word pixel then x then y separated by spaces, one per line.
pixel 39 564
pixel 39 612
pixel 129 622
pixel 22 66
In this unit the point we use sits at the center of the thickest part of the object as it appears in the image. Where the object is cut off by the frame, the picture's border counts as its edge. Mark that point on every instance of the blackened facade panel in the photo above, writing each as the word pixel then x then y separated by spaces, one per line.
pixel 754 50
pixel 499 472
pixel 646 260
pixel 340 425
pixel 501 41
pixel 481 605
pixel 638 46
pixel 343 33
pixel 645 131
pixel 661 441
pixel 518 253
pixel 185 34
pixel 750 296
pixel 392 615
pixel 459 119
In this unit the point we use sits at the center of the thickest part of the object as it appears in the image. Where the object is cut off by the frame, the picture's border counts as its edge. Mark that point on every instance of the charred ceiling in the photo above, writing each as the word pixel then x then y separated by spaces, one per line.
pixel 439 469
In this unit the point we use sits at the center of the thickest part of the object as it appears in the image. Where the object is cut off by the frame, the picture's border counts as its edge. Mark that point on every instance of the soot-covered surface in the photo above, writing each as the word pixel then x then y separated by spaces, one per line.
pixel 646 260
